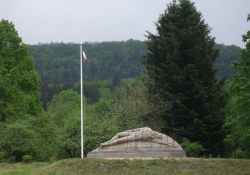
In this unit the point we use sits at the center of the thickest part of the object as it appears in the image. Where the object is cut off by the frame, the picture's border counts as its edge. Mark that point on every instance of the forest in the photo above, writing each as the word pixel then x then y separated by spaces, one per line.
pixel 178 82
pixel 58 63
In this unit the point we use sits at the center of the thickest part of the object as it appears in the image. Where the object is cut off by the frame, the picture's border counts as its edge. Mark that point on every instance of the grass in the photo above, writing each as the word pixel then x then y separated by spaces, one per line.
pixel 173 166
pixel 20 168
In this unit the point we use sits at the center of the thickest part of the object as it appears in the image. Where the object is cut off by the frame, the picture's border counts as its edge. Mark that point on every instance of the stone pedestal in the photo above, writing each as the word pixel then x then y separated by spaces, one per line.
pixel 139 143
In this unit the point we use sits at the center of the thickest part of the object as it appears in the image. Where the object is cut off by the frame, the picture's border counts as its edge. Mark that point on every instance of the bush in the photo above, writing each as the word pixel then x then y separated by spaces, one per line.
pixel 27 158
pixel 52 159
pixel 11 159
pixel 1 156
pixel 16 139
pixel 192 149
pixel 239 154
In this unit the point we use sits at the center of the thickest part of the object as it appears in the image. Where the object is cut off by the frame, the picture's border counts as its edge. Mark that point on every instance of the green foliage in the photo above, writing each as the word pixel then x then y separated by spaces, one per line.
pixel 180 70
pixel 27 158
pixel 103 108
pixel 19 83
pixel 11 159
pixel 16 140
pixel 115 81
pixel 98 131
pixel 45 139
pixel 192 149
pixel 92 94
pixel 19 94
pixel 238 109
pixel 59 135
pixel 239 154
pixel 58 64
pixel 63 105
pixel 2 155
pixel 226 55
pixel 134 110
pixel 64 110
pixel 105 60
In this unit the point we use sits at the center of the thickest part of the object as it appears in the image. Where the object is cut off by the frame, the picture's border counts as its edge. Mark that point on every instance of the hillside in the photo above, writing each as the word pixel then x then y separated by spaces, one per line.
pixel 226 55
pixel 194 166
pixel 58 63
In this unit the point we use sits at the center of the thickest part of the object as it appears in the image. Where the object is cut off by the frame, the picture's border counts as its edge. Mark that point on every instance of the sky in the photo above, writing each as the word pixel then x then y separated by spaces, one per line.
pixel 80 21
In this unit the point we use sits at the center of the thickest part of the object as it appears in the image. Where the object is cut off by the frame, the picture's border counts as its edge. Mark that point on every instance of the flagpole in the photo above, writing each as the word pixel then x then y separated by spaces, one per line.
pixel 81 77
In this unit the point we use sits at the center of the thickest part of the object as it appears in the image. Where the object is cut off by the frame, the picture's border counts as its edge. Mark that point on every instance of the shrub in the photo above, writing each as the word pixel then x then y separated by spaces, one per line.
pixel 1 156
pixel 11 159
pixel 52 159
pixel 239 154
pixel 27 158
pixel 192 149
pixel 16 139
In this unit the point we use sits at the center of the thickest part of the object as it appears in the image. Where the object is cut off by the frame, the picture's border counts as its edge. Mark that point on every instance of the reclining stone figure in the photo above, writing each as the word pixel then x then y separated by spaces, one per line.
pixel 141 134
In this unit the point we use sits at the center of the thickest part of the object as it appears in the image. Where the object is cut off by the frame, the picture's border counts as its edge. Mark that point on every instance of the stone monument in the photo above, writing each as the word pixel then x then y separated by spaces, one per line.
pixel 140 142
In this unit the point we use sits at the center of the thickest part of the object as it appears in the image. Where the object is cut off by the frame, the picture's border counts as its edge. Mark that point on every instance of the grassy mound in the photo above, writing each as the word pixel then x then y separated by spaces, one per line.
pixel 121 167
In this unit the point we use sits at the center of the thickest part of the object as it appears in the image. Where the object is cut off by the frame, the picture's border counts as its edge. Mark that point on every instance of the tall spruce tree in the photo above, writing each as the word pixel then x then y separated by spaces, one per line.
pixel 19 83
pixel 179 69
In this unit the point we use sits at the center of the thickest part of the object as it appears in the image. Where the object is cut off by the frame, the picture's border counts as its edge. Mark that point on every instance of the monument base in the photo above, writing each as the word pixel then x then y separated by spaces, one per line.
pixel 136 154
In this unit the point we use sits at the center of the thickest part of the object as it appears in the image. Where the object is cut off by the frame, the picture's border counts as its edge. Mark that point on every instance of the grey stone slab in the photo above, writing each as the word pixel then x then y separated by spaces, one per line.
pixel 135 154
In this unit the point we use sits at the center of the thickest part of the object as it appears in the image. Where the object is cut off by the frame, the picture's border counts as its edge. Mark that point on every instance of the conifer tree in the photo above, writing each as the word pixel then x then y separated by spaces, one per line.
pixel 180 70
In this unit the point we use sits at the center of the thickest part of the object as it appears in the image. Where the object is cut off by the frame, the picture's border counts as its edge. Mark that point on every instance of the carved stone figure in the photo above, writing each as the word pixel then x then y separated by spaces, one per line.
pixel 140 134
pixel 140 142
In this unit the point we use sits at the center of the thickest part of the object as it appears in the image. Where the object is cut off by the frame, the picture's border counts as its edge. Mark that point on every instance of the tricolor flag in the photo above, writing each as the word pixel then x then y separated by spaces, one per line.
pixel 84 57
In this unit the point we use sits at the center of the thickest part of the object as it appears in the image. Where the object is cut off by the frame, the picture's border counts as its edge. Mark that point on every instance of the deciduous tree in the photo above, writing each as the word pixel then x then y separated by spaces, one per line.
pixel 19 82
pixel 239 107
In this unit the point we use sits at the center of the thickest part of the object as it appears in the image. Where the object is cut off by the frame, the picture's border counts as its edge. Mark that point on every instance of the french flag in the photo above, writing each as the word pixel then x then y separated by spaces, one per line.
pixel 84 57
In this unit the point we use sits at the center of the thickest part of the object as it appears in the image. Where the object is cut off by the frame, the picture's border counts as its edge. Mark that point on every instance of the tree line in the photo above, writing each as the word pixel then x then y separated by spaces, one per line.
pixel 58 63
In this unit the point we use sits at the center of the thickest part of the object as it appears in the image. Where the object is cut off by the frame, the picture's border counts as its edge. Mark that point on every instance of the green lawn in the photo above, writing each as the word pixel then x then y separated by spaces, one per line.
pixel 171 166
pixel 21 168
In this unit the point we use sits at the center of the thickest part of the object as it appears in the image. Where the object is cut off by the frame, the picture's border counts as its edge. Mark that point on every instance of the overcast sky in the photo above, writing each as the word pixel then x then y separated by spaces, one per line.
pixel 110 20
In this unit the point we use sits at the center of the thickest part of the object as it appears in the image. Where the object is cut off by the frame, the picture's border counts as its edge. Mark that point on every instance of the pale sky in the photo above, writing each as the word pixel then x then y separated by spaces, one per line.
pixel 114 20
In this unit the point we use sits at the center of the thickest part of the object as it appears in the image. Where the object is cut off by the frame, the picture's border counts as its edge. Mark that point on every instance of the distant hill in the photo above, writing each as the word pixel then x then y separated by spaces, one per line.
pixel 226 55
pixel 58 63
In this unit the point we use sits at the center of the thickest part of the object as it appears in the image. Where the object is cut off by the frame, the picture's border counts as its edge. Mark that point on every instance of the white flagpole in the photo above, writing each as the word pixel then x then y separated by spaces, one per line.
pixel 81 77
